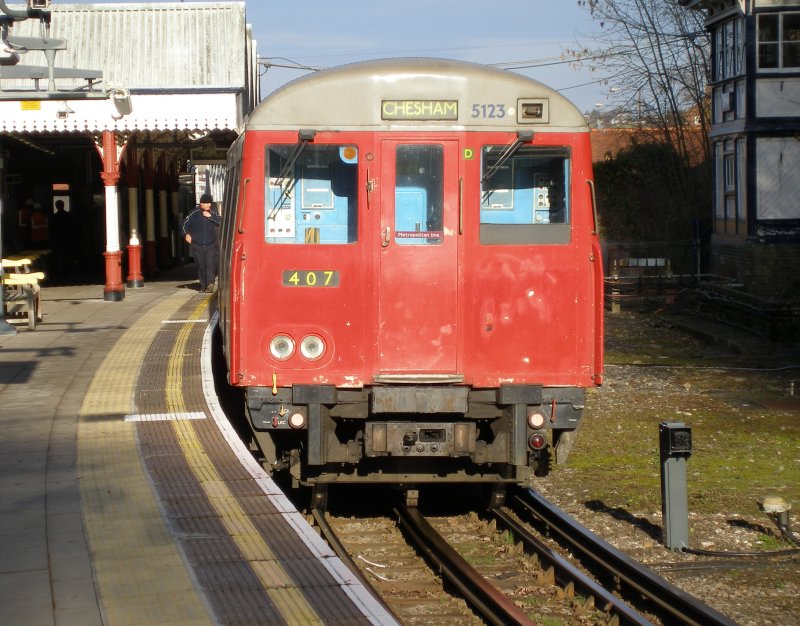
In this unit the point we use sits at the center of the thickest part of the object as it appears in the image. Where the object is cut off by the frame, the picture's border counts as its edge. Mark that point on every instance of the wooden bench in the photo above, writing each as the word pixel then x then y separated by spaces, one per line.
pixel 21 292
pixel 37 259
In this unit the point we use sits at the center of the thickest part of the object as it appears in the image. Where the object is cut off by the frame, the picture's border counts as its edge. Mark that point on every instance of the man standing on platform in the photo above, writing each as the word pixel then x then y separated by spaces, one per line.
pixel 200 231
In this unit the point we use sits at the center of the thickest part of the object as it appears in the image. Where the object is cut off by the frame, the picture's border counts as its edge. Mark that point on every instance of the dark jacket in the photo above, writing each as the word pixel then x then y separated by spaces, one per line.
pixel 202 229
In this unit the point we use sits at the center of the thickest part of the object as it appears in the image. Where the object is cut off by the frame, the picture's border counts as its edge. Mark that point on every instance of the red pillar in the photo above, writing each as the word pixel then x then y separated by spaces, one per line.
pixel 110 153
pixel 114 290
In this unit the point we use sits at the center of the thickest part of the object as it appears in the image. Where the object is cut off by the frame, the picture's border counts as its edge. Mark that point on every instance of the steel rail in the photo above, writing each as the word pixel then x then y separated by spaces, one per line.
pixel 671 599
pixel 490 602
pixel 333 541
pixel 566 573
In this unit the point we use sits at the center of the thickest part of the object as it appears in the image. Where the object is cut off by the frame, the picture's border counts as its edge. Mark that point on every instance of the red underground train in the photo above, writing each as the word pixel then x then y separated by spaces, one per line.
pixel 411 288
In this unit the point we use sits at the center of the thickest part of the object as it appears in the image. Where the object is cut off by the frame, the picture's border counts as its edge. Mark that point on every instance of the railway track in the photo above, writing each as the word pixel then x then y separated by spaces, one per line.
pixel 377 552
pixel 671 604
pixel 493 569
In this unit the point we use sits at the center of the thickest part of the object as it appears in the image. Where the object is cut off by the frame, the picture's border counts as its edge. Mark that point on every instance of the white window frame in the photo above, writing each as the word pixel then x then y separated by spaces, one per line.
pixel 780 42
pixel 730 49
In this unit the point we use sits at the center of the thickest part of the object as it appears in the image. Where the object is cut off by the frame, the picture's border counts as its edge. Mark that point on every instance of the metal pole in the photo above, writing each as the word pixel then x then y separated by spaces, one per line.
pixel 675 444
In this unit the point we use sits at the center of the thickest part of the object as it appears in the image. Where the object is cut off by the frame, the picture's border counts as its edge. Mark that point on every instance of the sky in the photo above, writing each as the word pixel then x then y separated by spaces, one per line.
pixel 325 33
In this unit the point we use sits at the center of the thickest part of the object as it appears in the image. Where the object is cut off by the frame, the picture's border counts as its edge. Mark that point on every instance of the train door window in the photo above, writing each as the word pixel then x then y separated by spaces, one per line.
pixel 229 203
pixel 310 193
pixel 418 194
pixel 524 197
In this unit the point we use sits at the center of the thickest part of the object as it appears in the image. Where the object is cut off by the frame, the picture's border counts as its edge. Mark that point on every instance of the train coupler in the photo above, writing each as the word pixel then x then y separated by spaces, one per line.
pixel 431 439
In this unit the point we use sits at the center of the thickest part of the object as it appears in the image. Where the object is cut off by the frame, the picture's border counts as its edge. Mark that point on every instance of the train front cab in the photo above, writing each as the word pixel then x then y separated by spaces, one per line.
pixel 429 306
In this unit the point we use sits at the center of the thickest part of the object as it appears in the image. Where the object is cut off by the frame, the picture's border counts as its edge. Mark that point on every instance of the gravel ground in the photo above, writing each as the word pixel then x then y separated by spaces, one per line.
pixel 736 395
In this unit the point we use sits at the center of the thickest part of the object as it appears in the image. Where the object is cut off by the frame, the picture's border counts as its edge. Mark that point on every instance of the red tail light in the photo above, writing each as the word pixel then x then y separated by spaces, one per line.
pixel 537 441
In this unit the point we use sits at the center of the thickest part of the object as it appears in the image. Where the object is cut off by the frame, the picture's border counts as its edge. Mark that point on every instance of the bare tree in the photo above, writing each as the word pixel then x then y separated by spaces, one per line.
pixel 656 56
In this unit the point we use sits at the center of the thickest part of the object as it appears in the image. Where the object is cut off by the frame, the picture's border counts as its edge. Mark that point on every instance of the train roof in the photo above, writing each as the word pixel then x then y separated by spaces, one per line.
pixel 420 93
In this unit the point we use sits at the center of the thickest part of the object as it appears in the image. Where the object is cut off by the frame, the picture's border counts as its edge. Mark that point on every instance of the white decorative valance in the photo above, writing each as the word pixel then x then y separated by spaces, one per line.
pixel 201 112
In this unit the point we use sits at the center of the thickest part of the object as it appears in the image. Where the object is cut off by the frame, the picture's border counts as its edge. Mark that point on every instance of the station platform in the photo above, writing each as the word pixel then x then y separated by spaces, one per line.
pixel 125 495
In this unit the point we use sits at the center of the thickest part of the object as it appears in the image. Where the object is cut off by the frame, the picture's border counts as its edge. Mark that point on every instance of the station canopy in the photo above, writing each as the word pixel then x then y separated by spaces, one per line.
pixel 183 69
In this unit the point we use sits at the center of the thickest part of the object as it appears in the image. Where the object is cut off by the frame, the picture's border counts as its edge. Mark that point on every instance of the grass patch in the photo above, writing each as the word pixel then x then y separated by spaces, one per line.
pixel 741 450
pixel 769 542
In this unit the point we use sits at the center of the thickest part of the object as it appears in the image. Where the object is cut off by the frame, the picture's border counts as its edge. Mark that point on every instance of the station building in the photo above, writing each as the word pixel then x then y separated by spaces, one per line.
pixel 755 86
pixel 181 78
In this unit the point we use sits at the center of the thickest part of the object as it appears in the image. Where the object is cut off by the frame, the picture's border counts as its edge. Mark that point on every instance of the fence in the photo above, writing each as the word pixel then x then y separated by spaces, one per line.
pixel 646 272
pixel 666 273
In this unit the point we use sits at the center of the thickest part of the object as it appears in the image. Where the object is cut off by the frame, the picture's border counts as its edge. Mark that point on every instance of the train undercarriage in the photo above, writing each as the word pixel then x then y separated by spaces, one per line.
pixel 413 435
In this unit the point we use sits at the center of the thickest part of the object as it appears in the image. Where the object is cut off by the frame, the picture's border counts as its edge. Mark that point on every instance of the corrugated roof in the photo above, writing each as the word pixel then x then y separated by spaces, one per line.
pixel 172 46
pixel 165 54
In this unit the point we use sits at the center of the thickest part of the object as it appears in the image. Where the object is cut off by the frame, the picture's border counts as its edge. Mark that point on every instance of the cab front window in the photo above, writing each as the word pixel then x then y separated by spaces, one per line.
pixel 524 197
pixel 310 194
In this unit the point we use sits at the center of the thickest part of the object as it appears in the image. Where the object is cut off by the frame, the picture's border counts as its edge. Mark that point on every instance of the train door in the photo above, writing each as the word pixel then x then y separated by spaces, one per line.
pixel 418 278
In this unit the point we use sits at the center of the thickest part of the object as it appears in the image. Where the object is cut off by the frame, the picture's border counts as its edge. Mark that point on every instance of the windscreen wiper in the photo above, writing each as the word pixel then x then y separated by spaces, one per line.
pixel 304 136
pixel 523 136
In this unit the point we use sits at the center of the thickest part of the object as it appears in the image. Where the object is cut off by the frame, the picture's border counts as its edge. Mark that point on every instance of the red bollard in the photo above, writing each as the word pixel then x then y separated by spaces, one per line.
pixel 114 289
pixel 135 278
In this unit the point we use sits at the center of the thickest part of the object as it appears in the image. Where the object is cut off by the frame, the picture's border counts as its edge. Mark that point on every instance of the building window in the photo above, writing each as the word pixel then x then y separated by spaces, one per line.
pixel 729 167
pixel 777 178
pixel 729 42
pixel 729 185
pixel 729 206
pixel 741 191
pixel 719 204
pixel 778 40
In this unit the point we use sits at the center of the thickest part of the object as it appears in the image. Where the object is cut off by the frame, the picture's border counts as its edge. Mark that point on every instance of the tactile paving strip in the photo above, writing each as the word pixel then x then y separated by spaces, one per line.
pixel 141 577
pixel 244 552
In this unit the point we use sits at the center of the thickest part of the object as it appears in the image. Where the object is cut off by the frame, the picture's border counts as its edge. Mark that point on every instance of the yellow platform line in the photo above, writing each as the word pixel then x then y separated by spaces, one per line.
pixel 140 575
pixel 287 598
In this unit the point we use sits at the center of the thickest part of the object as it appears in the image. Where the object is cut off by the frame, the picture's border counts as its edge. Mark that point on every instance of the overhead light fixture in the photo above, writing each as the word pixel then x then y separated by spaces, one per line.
pixel 64 111
pixel 121 98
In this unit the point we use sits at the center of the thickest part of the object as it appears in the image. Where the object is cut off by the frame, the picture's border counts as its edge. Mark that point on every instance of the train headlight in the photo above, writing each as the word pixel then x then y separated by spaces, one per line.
pixel 281 347
pixel 297 420
pixel 312 347
pixel 535 420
